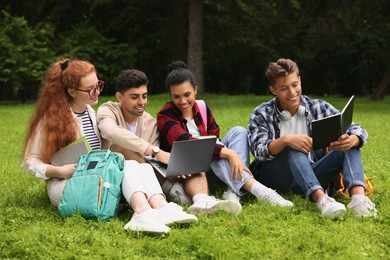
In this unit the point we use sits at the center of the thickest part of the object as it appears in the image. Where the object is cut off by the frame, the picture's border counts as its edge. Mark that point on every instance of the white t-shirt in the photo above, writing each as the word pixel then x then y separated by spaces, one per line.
pixel 296 125
pixel 192 127
pixel 132 128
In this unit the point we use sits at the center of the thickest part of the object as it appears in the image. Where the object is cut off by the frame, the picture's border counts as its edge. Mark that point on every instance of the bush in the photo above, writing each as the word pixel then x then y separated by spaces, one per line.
pixel 85 42
pixel 25 56
pixel 27 52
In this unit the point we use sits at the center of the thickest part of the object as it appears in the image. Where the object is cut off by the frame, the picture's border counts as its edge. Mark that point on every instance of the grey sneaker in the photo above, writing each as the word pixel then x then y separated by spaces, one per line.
pixel 230 195
pixel 177 194
pixel 273 198
pixel 330 208
pixel 363 207
pixel 212 205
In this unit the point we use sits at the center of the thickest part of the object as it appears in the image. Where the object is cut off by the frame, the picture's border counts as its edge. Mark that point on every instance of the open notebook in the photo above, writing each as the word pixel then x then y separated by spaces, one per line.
pixel 187 157
pixel 329 129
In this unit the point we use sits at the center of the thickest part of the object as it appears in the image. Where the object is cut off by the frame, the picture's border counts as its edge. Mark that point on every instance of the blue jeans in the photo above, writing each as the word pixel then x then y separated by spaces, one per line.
pixel 292 171
pixel 237 140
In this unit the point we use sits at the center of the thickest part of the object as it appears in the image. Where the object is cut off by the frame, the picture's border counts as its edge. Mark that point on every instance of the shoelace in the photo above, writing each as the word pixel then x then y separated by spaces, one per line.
pixel 275 197
pixel 325 200
pixel 370 204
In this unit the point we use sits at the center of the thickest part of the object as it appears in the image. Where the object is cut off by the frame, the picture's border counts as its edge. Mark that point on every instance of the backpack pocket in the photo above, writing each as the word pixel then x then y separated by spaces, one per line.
pixel 83 195
pixel 110 201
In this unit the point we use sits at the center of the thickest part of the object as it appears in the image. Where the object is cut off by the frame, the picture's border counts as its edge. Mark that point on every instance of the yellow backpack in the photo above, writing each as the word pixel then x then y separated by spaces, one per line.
pixel 342 191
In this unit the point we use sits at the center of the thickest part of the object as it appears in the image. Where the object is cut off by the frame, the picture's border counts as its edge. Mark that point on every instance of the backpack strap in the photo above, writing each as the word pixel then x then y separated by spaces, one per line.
pixel 203 112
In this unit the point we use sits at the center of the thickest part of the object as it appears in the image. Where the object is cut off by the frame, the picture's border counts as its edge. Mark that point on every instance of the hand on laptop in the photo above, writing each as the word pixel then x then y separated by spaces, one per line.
pixel 184 176
pixel 163 156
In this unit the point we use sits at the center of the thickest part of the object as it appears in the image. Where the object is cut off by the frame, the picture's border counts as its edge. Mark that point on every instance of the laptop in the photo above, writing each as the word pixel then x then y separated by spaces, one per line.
pixel 329 129
pixel 187 157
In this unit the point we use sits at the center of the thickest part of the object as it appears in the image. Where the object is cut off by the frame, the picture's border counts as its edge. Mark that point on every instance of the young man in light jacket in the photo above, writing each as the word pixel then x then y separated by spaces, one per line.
pixel 130 130
pixel 126 128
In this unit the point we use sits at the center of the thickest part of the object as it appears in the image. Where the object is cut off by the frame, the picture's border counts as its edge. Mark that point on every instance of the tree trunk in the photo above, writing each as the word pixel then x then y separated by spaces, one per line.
pixel 179 51
pixel 195 46
pixel 381 90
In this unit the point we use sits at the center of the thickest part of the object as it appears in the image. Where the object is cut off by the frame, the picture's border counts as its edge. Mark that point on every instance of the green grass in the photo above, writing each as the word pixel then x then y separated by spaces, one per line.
pixel 30 228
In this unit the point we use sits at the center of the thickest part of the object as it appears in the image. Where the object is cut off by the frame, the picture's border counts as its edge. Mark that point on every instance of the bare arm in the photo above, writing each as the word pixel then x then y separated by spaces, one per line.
pixel 65 171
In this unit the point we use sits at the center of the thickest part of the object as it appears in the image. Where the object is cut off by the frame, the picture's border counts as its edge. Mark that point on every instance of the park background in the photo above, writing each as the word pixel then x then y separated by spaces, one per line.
pixel 341 48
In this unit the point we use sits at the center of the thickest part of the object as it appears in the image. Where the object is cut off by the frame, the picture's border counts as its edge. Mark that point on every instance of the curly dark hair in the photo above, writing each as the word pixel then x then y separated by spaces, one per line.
pixel 130 78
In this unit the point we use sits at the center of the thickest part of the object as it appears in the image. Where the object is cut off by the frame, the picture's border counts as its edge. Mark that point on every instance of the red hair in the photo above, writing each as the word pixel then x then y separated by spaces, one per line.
pixel 53 113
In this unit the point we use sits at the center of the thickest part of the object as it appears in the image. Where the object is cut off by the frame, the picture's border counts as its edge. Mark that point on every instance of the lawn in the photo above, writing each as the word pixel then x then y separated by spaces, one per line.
pixel 31 229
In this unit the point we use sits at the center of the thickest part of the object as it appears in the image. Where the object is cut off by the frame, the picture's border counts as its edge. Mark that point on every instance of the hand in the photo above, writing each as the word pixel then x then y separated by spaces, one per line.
pixel 302 143
pixel 236 165
pixel 184 176
pixel 163 156
pixel 345 142
pixel 67 170
pixel 64 172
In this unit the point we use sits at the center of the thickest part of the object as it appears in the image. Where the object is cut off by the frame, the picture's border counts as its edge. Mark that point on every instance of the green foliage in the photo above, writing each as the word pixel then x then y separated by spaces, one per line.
pixel 85 42
pixel 341 48
pixel 25 55
pixel 31 229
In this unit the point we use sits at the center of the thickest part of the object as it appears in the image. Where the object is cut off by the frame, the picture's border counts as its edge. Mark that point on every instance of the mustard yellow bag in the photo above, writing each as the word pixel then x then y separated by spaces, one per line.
pixel 342 191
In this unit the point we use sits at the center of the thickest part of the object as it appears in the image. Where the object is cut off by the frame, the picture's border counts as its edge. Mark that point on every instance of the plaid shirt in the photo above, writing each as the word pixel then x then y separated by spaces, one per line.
pixel 173 126
pixel 264 125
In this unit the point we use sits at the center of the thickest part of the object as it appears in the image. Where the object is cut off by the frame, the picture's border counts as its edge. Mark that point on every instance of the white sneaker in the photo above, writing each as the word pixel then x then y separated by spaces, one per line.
pixel 174 214
pixel 212 205
pixel 363 207
pixel 330 208
pixel 273 198
pixel 229 194
pixel 148 221
pixel 177 194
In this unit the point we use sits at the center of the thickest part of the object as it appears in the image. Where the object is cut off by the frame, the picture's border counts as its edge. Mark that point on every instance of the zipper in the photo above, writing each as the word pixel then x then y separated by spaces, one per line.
pixel 100 190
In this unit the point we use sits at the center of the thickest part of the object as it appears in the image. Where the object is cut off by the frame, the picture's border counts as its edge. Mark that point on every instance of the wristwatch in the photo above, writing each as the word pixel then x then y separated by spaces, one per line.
pixel 155 150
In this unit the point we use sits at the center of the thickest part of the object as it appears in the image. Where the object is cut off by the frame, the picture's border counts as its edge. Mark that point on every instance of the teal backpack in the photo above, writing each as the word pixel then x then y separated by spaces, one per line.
pixel 94 191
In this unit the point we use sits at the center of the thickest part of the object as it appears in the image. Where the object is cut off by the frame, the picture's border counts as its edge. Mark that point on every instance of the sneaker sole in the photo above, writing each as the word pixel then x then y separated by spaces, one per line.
pixel 227 206
pixel 182 221
pixel 230 206
pixel 337 214
pixel 272 203
pixel 138 228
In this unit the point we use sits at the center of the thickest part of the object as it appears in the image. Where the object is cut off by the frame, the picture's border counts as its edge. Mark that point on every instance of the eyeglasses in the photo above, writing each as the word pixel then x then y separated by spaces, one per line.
pixel 93 91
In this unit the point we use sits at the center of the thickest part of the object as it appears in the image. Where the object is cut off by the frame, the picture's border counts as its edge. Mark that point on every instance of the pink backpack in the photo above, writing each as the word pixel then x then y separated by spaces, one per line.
pixel 203 112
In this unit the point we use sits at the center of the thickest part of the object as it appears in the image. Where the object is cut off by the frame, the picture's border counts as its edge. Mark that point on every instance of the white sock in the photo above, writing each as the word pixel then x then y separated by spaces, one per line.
pixel 202 197
pixel 259 190
pixel 357 197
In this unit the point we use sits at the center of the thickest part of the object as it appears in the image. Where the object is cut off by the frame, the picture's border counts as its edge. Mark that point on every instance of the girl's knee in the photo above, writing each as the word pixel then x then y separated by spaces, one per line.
pixel 239 131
